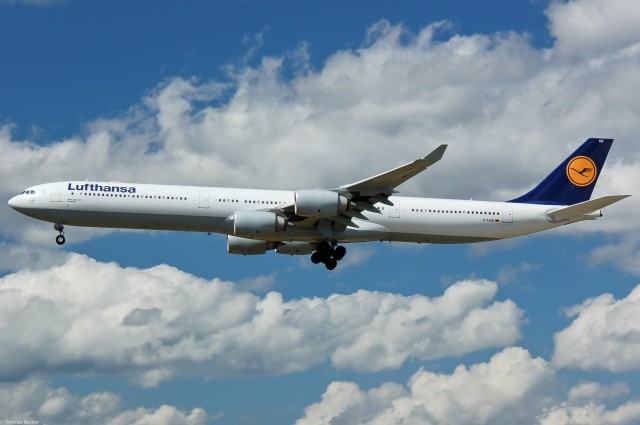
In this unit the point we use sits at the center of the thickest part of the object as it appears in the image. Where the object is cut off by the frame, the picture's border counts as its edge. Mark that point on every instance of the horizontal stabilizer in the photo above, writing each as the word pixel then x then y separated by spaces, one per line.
pixel 584 208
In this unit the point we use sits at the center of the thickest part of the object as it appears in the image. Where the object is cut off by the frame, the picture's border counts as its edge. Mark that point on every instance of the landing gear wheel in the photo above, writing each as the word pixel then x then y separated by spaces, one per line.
pixel 339 252
pixel 328 254
pixel 330 264
pixel 325 249
pixel 59 227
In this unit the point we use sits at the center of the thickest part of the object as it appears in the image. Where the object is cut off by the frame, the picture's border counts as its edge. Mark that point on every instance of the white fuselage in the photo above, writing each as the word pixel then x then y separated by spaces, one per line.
pixel 208 209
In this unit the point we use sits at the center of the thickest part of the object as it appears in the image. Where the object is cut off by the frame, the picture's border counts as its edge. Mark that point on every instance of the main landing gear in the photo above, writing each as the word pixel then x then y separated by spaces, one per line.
pixel 328 254
pixel 60 238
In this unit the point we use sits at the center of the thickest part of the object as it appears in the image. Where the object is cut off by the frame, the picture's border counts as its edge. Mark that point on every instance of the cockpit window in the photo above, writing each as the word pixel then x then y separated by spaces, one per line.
pixel 28 192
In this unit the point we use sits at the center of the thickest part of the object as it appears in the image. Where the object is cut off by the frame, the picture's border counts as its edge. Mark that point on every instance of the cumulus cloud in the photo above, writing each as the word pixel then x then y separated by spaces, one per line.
pixel 588 27
pixel 605 334
pixel 592 414
pixel 586 405
pixel 512 387
pixel 505 390
pixel 152 324
pixel 37 400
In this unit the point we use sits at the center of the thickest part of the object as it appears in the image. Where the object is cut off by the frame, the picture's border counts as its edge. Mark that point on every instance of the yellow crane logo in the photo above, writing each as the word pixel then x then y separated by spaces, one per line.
pixel 581 171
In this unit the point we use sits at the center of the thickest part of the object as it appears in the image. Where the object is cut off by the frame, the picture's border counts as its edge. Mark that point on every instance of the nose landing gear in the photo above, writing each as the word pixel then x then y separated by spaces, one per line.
pixel 60 238
pixel 328 255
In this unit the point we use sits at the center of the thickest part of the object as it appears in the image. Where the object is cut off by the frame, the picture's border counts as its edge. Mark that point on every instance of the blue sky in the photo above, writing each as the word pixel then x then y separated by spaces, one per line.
pixel 161 327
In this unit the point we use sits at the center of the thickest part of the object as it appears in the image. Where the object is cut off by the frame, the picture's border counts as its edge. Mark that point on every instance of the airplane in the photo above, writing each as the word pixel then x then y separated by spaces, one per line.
pixel 319 221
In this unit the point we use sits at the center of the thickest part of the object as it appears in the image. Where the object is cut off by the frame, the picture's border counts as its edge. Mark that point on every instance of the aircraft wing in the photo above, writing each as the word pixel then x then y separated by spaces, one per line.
pixel 386 182
pixel 364 194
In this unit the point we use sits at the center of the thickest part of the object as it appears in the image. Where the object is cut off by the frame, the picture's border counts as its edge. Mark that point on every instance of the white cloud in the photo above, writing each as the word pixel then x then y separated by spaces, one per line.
pixel 16 257
pixel 505 390
pixel 152 324
pixel 258 284
pixel 404 328
pixel 585 391
pixel 586 27
pixel 624 253
pixel 512 387
pixel 37 400
pixel 585 405
pixel 605 334
pixel 592 414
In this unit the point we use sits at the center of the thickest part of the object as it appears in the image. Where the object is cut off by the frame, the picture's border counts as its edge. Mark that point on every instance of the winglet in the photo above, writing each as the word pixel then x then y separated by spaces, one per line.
pixel 436 155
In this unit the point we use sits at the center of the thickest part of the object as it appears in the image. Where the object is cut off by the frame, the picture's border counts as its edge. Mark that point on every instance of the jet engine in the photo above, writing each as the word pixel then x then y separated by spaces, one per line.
pixel 320 203
pixel 251 223
pixel 243 246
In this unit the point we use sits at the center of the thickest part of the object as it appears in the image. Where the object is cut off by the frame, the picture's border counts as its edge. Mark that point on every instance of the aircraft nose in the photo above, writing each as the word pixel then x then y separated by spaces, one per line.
pixel 13 202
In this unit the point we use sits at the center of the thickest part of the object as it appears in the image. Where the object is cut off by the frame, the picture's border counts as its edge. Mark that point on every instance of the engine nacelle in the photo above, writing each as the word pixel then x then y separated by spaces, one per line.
pixel 295 248
pixel 243 246
pixel 320 203
pixel 252 223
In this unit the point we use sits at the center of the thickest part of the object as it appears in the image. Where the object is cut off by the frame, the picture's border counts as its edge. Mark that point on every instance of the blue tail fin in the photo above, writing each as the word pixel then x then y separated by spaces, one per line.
pixel 573 180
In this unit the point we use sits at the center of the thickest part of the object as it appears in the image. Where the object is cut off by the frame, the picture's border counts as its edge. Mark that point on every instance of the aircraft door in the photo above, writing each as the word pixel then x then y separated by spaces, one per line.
pixel 56 193
pixel 203 201
pixel 507 214
pixel 394 210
